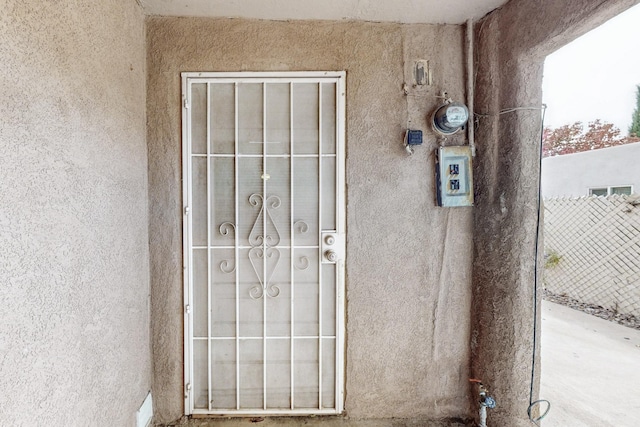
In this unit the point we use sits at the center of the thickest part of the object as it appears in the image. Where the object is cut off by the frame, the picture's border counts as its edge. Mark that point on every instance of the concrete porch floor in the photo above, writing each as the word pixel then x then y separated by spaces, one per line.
pixel 313 421
pixel 589 373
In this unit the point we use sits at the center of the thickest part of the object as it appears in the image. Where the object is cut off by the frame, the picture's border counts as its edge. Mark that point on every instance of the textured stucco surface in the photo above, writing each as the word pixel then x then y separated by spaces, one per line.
pixel 512 44
pixel 74 275
pixel 572 175
pixel 408 262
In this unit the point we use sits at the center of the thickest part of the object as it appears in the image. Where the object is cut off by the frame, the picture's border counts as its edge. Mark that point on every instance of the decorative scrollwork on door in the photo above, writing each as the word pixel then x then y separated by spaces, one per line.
pixel 263 238
pixel 301 227
pixel 302 263
pixel 226 229
pixel 264 218
pixel 227 267
pixel 258 256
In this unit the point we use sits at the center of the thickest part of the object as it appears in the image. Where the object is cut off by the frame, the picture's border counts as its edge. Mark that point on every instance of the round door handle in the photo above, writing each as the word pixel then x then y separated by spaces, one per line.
pixel 331 256
pixel 330 240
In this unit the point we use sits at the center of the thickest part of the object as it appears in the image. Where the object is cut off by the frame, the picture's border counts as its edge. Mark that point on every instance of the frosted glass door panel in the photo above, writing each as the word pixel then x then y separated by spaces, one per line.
pixel 250 118
pixel 278 118
pixel 222 197
pixel 305 118
pixel 222 118
pixel 306 201
pixel 328 118
pixel 199 118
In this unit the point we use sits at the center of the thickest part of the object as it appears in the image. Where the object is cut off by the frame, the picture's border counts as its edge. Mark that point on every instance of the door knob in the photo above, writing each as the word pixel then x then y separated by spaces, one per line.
pixel 331 256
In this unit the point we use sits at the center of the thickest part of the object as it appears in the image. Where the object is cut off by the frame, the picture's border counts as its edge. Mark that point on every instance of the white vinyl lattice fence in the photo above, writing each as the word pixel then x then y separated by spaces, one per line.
pixel 592 250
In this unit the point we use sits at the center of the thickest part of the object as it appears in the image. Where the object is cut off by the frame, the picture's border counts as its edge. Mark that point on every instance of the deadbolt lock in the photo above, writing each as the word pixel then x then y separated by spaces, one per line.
pixel 332 246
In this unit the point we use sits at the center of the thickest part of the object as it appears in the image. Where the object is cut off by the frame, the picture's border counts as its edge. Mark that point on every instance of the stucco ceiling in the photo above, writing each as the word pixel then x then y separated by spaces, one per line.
pixel 408 11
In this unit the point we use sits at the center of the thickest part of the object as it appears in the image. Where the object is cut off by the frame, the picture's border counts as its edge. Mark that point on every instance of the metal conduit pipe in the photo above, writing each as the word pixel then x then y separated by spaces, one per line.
pixel 483 416
pixel 470 88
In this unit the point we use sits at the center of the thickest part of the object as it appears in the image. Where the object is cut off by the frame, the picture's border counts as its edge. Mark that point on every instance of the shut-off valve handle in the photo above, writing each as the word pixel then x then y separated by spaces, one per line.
pixel 485 399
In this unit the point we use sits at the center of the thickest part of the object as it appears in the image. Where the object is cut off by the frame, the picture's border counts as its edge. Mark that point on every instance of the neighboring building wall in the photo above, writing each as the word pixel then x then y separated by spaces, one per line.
pixel 408 261
pixel 572 175
pixel 512 44
pixel 74 340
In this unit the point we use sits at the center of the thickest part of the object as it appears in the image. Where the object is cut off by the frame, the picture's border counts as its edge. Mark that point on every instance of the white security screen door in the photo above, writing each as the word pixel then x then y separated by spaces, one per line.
pixel 264 242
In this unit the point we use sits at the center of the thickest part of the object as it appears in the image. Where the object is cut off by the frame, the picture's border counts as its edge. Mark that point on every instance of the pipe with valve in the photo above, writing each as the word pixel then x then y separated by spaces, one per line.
pixel 485 401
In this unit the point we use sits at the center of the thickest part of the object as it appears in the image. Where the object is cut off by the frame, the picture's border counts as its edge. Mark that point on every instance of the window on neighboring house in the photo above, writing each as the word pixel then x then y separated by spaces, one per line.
pixel 607 191
pixel 625 189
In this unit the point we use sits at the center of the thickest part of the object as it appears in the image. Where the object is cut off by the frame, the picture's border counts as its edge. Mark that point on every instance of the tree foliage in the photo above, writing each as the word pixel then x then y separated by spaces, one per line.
pixel 576 138
pixel 634 129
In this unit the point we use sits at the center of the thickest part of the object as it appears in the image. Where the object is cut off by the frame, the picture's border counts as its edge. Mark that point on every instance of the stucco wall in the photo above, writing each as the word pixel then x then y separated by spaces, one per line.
pixel 572 175
pixel 512 44
pixel 408 261
pixel 74 278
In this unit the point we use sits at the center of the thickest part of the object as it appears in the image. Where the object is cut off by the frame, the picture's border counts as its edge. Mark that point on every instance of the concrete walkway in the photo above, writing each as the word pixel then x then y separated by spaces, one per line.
pixel 590 370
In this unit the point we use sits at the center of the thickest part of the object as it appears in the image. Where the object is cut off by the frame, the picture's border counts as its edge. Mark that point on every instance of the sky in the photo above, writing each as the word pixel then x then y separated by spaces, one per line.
pixel 595 76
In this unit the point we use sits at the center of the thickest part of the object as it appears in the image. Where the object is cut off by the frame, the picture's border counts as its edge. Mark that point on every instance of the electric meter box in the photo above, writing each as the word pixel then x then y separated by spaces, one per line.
pixel 454 178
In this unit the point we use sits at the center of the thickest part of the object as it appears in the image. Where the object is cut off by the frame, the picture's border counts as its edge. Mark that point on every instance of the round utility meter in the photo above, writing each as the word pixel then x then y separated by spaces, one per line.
pixel 450 118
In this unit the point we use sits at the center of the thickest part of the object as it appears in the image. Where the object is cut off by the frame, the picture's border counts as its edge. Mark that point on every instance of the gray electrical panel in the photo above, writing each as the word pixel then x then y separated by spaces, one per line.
pixel 454 176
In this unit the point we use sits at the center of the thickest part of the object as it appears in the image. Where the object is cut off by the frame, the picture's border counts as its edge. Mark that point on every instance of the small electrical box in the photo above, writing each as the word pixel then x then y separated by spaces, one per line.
pixel 454 176
pixel 422 73
pixel 414 137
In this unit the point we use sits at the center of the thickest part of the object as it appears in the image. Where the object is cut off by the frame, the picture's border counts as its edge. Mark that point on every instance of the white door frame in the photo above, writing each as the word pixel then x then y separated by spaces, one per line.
pixel 188 78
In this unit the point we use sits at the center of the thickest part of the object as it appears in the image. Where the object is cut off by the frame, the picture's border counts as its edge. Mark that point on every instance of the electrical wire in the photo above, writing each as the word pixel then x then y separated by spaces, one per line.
pixel 533 403
pixel 511 110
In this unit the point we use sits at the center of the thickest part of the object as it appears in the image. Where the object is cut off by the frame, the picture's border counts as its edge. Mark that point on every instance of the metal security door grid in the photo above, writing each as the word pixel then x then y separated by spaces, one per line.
pixel 247 362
